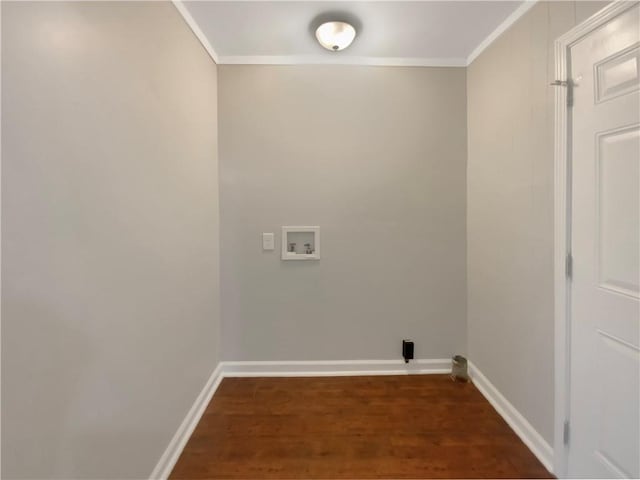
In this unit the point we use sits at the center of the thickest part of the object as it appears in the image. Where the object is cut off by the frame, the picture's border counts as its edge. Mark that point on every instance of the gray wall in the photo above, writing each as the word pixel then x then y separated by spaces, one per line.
pixel 376 157
pixel 110 311
pixel 510 208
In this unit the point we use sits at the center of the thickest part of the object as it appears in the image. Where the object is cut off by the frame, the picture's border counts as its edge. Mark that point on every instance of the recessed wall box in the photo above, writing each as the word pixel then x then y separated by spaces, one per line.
pixel 300 243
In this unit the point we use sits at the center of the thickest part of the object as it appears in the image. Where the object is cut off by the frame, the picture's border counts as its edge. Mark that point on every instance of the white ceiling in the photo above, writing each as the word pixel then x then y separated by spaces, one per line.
pixel 389 32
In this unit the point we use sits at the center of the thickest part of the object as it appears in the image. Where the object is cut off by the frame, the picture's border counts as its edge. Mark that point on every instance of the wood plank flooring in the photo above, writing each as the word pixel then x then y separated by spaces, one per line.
pixel 416 426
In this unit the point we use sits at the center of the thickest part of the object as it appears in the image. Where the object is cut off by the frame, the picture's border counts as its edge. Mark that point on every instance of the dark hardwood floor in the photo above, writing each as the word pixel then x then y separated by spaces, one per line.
pixel 416 426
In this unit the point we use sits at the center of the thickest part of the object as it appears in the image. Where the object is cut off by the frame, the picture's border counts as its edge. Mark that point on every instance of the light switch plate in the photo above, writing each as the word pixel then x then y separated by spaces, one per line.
pixel 268 241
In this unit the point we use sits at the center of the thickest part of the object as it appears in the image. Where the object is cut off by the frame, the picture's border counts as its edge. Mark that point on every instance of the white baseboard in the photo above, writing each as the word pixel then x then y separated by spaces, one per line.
pixel 540 448
pixel 176 445
pixel 332 368
pixel 518 423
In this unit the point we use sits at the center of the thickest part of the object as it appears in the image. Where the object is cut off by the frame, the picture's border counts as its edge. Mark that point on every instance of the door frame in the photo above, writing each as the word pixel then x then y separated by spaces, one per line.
pixel 562 221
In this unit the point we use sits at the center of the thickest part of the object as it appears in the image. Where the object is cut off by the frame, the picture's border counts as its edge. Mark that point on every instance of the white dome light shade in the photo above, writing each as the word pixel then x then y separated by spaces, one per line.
pixel 335 36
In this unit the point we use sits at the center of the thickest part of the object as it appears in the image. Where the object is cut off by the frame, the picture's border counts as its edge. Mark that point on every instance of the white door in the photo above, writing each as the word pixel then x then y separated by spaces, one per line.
pixel 605 230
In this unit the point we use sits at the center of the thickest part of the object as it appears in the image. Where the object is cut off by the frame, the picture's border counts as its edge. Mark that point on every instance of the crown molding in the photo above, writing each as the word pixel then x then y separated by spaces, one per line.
pixel 503 27
pixel 193 25
pixel 342 60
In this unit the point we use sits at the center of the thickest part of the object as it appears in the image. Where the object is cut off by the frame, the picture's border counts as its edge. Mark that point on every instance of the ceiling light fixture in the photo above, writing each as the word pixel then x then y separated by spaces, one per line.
pixel 335 36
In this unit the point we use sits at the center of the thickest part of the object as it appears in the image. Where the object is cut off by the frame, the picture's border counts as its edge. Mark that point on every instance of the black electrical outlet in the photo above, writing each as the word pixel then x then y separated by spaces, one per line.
pixel 407 350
